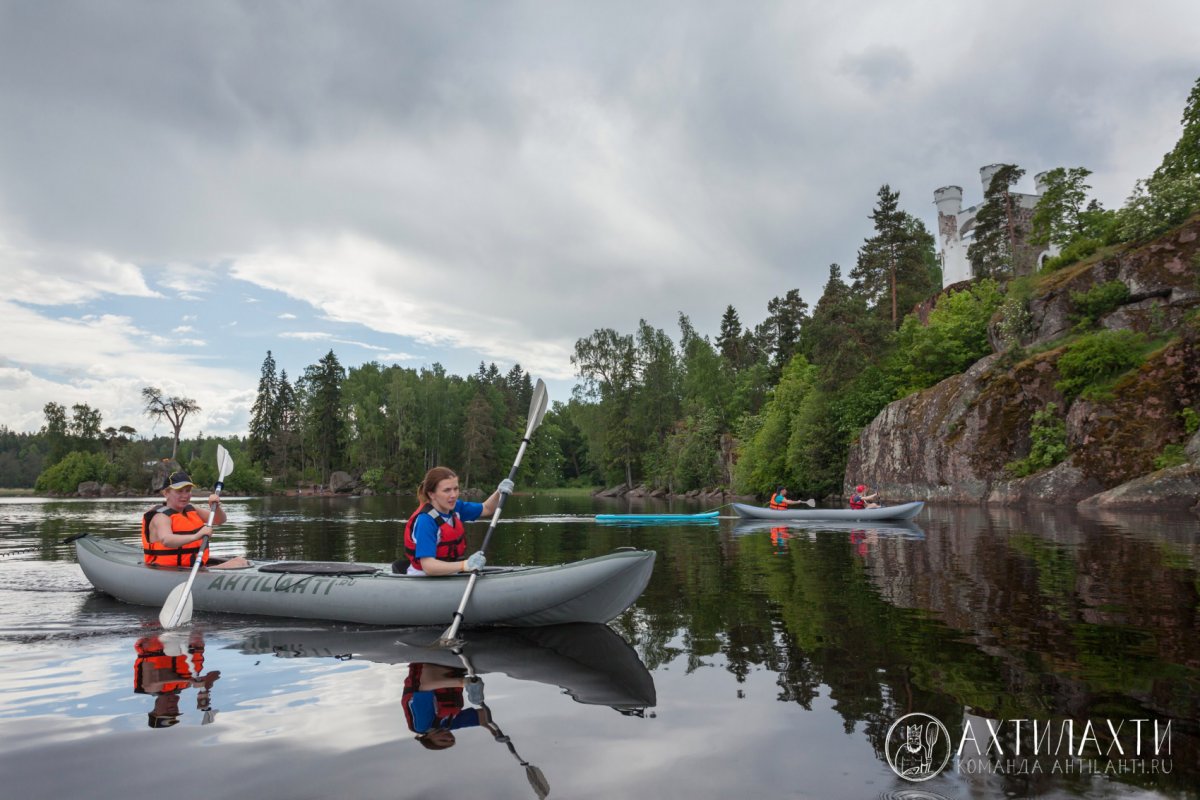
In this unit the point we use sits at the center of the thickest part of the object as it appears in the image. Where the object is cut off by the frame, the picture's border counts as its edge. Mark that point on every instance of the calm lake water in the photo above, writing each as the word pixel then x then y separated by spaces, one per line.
pixel 1059 654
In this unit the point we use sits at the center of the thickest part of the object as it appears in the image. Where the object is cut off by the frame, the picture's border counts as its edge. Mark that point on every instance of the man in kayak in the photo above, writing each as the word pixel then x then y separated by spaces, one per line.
pixel 171 532
pixel 860 499
pixel 435 540
pixel 779 500
pixel 434 707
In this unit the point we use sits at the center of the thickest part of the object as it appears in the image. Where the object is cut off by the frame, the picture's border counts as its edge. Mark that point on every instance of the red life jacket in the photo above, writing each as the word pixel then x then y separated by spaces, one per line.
pixel 856 502
pixel 187 521
pixel 150 649
pixel 452 536
pixel 777 501
pixel 447 701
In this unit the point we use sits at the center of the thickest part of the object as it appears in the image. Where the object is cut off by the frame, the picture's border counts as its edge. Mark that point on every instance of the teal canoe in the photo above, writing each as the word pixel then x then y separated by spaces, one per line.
pixel 641 518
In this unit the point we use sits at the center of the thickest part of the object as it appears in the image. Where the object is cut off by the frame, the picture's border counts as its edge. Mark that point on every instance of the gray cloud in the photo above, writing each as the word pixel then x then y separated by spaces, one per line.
pixel 503 178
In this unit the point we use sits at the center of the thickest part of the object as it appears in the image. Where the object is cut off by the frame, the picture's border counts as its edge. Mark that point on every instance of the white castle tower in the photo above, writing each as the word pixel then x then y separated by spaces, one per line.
pixel 956 225
pixel 955 266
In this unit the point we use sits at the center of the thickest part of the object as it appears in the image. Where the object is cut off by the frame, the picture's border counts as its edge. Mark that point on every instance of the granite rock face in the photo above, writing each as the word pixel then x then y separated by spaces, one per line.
pixel 952 441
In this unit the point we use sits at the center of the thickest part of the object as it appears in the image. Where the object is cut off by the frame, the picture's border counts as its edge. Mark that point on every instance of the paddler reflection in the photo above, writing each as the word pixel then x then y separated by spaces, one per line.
pixel 779 537
pixel 166 664
pixel 434 707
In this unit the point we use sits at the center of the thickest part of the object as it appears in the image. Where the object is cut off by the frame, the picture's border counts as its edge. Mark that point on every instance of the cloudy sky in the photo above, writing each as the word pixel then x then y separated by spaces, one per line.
pixel 185 186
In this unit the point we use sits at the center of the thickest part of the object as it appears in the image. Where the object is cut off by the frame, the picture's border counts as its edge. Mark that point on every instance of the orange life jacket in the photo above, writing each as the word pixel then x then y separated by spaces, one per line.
pixel 777 501
pixel 856 502
pixel 187 521
pixel 452 536
pixel 150 650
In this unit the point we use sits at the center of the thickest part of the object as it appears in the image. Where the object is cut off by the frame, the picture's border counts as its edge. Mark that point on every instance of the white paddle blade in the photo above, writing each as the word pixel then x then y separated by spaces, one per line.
pixel 537 407
pixel 224 463
pixel 810 503
pixel 178 608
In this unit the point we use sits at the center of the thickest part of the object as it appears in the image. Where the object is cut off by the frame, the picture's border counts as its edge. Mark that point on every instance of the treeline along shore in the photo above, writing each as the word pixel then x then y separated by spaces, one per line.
pixel 1066 369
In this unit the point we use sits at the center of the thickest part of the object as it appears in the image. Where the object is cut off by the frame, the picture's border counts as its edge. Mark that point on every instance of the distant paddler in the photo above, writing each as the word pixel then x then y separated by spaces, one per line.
pixel 779 500
pixel 860 499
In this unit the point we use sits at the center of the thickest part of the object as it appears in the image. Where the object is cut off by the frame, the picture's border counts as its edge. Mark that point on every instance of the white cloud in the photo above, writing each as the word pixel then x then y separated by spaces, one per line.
pixel 307 336
pixel 52 274
pixel 393 358
pixel 187 281
pixel 105 361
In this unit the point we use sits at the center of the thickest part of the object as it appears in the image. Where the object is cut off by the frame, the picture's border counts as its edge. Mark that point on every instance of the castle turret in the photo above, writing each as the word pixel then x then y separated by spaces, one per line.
pixel 987 173
pixel 954 251
pixel 1039 183
pixel 948 200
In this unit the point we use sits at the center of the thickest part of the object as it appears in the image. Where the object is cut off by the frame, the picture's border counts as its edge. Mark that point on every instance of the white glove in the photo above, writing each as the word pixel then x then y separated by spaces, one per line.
pixel 476 562
pixel 475 692
pixel 505 487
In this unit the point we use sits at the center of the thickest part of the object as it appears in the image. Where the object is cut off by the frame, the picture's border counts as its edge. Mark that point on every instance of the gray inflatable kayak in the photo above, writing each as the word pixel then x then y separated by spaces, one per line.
pixel 592 590
pixel 900 512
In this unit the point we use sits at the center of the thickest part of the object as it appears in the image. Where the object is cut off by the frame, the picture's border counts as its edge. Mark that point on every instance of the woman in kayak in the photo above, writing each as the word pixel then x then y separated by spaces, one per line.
pixel 435 540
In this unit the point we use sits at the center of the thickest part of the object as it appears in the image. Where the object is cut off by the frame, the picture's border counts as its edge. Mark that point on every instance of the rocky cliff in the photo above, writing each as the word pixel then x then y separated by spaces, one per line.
pixel 951 442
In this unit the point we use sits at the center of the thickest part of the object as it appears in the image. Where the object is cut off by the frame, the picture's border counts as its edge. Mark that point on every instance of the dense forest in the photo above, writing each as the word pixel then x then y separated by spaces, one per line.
pixel 758 405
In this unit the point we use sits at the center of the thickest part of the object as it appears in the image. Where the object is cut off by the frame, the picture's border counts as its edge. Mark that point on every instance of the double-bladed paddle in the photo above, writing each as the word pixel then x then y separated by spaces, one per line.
pixel 178 608
pixel 537 410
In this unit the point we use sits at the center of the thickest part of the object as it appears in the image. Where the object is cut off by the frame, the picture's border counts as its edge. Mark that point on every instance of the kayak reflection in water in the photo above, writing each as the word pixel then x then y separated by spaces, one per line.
pixel 434 707
pixel 165 669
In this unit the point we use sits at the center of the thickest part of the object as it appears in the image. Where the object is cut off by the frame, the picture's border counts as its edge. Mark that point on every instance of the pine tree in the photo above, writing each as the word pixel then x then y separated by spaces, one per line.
pixel 780 333
pixel 993 253
pixel 896 267
pixel 264 418
pixel 730 342
pixel 874 274
pixel 325 424
pixel 287 419
pixel 843 338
